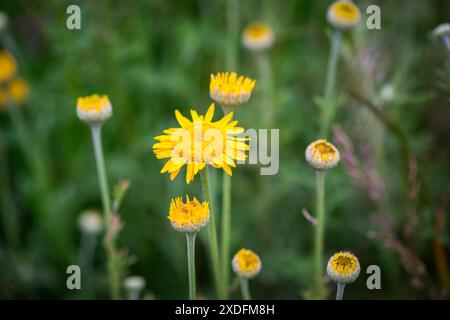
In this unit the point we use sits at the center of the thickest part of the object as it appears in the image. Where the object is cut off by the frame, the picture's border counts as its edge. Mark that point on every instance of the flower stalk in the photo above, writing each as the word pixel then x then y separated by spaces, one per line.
pixel 340 291
pixel 190 239
pixel 319 238
pixel 226 225
pixel 245 290
pixel 212 231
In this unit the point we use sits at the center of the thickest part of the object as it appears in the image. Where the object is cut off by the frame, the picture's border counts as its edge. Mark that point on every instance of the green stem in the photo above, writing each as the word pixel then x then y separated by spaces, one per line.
pixel 319 233
pixel 328 110
pixel 212 232
pixel 340 291
pixel 265 76
pixel 232 33
pixel 190 237
pixel 226 222
pixel 113 263
pixel 245 291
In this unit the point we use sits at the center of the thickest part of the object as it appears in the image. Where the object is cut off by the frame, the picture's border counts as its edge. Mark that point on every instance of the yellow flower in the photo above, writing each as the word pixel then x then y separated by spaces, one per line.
pixel 94 109
pixel 322 155
pixel 258 36
pixel 246 263
pixel 190 216
pixel 18 90
pixel 200 142
pixel 343 267
pixel 2 99
pixel 229 90
pixel 8 66
pixel 343 14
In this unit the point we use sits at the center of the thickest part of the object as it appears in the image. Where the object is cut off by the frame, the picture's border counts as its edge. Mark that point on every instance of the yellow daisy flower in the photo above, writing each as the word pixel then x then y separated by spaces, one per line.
pixel 199 142
pixel 190 216
pixel 258 36
pixel 94 109
pixel 343 14
pixel 322 155
pixel 229 90
pixel 343 267
pixel 8 66
pixel 246 263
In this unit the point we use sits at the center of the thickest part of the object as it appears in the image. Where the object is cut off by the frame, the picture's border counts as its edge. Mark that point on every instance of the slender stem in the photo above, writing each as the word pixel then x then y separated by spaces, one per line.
pixel 102 178
pixel 232 33
pixel 265 76
pixel 328 109
pixel 212 232
pixel 226 222
pixel 245 291
pixel 190 237
pixel 340 290
pixel 113 263
pixel 319 233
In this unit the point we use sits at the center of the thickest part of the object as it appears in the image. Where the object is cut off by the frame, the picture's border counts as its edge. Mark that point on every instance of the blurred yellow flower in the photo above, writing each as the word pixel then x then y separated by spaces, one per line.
pixel 229 90
pixel 343 267
pixel 246 263
pixel 343 14
pixel 322 155
pixel 17 90
pixel 258 36
pixel 200 142
pixel 8 66
pixel 94 109
pixel 190 216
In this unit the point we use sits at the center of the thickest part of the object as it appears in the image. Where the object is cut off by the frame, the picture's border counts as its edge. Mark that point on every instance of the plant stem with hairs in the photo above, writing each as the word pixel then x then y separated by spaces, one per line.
pixel 212 232
pixel 190 239
pixel 245 290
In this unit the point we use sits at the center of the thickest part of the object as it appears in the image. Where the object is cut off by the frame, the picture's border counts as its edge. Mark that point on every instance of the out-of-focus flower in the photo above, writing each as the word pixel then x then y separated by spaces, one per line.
pixel 258 36
pixel 229 89
pixel 343 14
pixel 8 66
pixel 17 90
pixel 94 109
pixel 442 30
pixel 134 285
pixel 200 142
pixel 387 92
pixel 188 217
pixel 246 263
pixel 90 221
pixel 322 155
pixel 343 267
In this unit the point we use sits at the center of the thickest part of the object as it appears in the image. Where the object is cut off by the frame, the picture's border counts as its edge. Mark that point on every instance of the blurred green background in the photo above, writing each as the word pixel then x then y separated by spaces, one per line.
pixel 387 201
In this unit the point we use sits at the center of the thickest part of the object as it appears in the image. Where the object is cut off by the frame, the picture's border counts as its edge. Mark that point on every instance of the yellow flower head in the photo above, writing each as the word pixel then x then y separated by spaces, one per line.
pixel 190 216
pixel 18 90
pixel 343 267
pixel 246 263
pixel 94 109
pixel 229 90
pixel 343 14
pixel 8 66
pixel 258 36
pixel 199 142
pixel 322 155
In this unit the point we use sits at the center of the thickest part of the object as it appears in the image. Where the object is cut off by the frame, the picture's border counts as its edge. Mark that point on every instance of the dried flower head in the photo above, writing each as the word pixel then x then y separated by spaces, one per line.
pixel 94 109
pixel 258 36
pixel 343 267
pixel 8 66
pixel 134 283
pixel 200 142
pixel 246 263
pixel 229 89
pixel 343 14
pixel 190 216
pixel 90 221
pixel 322 155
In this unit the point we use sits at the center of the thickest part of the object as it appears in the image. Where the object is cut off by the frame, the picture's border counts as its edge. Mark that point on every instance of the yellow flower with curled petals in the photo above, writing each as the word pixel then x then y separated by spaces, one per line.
pixel 8 66
pixel 343 267
pixel 94 109
pixel 322 155
pixel 258 36
pixel 189 216
pixel 229 89
pixel 246 263
pixel 343 14
pixel 200 142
